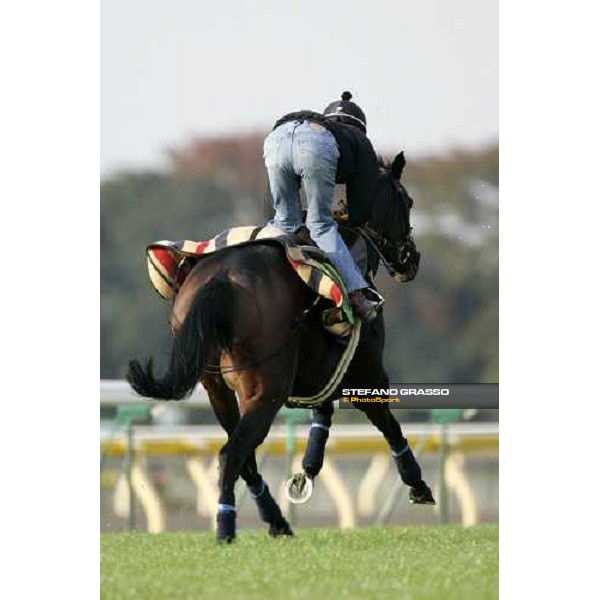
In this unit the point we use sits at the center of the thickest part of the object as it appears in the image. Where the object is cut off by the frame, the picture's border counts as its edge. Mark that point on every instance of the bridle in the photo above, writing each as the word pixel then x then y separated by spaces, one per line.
pixel 389 253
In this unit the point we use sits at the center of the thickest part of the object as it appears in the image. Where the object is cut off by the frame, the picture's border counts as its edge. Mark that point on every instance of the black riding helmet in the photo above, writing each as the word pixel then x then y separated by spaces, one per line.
pixel 347 112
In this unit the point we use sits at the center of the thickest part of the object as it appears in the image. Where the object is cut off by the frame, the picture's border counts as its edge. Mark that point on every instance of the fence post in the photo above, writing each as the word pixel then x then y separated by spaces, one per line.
pixel 443 416
pixel 127 414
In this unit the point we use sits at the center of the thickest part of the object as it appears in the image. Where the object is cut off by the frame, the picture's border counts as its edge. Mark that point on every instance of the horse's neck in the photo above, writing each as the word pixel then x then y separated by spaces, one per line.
pixel 352 236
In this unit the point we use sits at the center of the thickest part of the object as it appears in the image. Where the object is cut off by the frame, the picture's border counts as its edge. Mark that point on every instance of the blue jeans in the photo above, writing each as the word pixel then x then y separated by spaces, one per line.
pixel 306 152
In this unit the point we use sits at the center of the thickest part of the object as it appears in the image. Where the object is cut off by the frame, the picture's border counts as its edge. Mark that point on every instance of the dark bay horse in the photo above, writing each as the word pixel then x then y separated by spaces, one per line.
pixel 244 323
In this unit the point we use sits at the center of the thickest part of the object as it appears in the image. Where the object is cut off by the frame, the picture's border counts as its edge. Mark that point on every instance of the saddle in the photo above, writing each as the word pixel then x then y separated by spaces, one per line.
pixel 169 263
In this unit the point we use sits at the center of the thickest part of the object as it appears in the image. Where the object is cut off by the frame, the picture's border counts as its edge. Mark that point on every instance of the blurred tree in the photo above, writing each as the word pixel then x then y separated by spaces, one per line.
pixel 136 209
pixel 443 327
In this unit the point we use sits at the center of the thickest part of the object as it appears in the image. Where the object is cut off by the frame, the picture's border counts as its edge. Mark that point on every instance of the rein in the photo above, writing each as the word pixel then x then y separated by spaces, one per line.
pixel 370 236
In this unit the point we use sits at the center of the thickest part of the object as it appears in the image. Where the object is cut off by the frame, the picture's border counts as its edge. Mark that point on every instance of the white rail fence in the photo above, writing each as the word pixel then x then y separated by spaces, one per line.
pixel 198 446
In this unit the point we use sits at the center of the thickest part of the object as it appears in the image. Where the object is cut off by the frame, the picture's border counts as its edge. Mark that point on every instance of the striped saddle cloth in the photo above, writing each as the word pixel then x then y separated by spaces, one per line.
pixel 168 265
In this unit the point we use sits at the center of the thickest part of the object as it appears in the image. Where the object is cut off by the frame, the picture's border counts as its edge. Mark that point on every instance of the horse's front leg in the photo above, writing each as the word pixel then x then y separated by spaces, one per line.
pixel 314 455
pixel 299 488
pixel 406 463
pixel 247 436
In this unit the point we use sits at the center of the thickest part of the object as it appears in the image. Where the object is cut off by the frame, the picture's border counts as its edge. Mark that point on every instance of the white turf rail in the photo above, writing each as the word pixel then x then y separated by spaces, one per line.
pixel 117 391
pixel 200 444
pixel 204 438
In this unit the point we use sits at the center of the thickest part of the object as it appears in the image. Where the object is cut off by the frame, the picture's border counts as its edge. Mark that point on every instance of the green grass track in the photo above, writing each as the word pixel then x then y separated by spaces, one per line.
pixel 399 563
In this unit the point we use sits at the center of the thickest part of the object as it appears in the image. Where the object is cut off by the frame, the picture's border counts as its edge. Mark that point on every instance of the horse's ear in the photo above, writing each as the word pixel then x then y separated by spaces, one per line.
pixel 398 165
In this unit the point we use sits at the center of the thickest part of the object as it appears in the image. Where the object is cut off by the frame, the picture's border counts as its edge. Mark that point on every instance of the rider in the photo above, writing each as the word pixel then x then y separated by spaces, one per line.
pixel 318 151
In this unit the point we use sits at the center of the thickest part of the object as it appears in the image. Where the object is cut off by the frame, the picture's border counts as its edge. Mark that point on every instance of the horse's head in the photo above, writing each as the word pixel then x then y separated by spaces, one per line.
pixel 390 211
pixel 389 224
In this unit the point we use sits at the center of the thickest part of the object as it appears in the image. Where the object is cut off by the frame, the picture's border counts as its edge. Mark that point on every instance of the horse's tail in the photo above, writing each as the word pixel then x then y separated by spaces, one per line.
pixel 208 325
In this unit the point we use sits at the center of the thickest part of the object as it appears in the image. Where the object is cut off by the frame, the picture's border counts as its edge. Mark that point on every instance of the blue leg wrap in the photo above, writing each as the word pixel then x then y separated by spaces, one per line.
pixel 314 455
pixel 226 523
pixel 407 465
pixel 268 509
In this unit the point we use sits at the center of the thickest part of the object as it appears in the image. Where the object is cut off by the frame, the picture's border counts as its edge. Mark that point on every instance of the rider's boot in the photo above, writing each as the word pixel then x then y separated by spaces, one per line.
pixel 366 308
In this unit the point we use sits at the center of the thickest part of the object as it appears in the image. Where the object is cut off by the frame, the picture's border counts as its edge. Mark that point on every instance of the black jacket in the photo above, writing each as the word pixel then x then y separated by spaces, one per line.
pixel 357 167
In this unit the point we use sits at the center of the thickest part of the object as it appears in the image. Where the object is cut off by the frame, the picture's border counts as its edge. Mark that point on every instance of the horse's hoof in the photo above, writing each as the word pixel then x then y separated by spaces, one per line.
pixel 226 526
pixel 225 540
pixel 421 495
pixel 280 529
pixel 299 488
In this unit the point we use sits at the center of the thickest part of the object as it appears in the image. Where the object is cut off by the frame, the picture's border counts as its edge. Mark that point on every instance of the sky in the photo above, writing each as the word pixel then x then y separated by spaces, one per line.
pixel 425 72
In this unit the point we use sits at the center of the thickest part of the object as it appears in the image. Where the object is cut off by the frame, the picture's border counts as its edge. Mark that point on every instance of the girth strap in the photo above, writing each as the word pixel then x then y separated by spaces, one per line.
pixel 338 373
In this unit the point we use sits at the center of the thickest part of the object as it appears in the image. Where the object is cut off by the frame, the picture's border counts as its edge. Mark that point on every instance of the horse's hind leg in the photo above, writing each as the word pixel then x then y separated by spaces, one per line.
pixel 249 433
pixel 227 412
pixel 410 472
pixel 268 509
